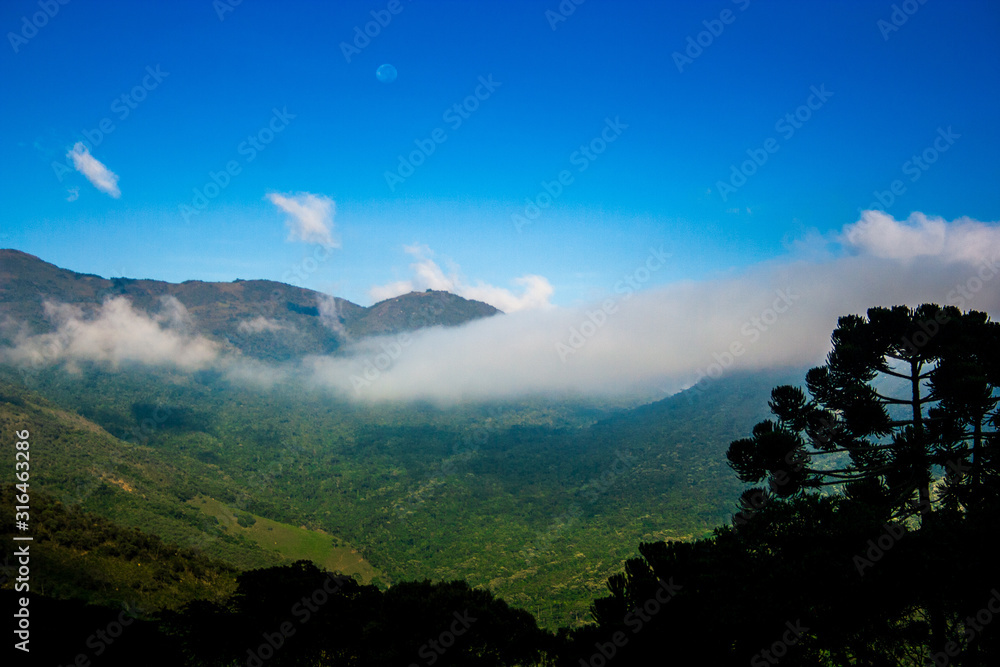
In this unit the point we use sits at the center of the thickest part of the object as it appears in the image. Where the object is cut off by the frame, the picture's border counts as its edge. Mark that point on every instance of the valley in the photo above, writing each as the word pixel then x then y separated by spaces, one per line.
pixel 182 491
pixel 538 502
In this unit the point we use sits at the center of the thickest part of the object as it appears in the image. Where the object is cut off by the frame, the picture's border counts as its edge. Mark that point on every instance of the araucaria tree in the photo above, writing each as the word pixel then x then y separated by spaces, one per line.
pixel 902 392
pixel 965 420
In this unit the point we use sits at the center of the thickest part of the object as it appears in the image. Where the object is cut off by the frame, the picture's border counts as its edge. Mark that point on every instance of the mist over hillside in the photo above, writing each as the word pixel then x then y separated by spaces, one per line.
pixel 439 347
pixel 256 319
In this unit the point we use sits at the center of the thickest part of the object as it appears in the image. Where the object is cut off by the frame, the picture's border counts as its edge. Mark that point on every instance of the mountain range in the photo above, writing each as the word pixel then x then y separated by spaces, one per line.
pixel 262 319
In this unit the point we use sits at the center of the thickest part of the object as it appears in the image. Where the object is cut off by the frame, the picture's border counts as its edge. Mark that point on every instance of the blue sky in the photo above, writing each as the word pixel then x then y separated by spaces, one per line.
pixel 557 85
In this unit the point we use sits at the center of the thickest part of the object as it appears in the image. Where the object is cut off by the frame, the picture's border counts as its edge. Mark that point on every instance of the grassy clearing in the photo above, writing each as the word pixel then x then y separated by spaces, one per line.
pixel 293 543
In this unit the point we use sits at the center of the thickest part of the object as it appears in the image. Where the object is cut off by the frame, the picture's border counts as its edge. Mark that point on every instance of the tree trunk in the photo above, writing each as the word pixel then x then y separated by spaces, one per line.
pixel 918 439
pixel 938 622
pixel 977 439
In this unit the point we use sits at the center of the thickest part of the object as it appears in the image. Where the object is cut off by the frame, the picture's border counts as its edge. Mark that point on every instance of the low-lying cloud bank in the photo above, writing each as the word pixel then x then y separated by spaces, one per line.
pixel 116 334
pixel 774 315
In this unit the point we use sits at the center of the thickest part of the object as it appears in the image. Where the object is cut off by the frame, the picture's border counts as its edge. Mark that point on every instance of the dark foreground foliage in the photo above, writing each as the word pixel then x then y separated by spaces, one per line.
pixel 809 581
pixel 300 615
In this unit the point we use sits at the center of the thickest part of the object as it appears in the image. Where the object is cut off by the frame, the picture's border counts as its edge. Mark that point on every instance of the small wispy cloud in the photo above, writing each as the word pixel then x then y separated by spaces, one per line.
pixel 74 194
pixel 427 274
pixel 310 217
pixel 100 176
pixel 329 314
pixel 260 324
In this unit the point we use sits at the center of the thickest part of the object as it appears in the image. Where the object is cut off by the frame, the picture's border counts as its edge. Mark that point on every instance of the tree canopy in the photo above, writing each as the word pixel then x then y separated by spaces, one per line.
pixel 904 392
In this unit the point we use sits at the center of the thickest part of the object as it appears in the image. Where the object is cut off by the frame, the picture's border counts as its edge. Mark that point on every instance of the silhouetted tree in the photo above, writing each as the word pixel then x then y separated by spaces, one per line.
pixel 902 390
pixel 299 615
pixel 783 588
pixel 965 420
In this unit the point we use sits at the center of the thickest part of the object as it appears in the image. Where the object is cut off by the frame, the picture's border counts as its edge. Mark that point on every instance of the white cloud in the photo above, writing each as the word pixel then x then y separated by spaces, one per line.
pixel 779 314
pixel 389 290
pixel 100 176
pixel 74 194
pixel 261 324
pixel 534 294
pixel 310 217
pixel 116 334
pixel 962 240
pixel 328 313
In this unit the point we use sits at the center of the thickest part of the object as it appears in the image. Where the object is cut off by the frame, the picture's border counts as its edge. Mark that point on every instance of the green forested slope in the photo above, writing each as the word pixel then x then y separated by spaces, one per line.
pixel 539 501
pixel 80 555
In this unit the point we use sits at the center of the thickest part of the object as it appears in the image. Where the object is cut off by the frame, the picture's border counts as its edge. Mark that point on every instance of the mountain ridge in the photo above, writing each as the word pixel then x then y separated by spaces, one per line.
pixel 264 319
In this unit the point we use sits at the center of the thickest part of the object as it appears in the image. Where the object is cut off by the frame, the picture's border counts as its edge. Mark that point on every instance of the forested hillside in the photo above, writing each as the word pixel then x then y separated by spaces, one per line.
pixel 537 501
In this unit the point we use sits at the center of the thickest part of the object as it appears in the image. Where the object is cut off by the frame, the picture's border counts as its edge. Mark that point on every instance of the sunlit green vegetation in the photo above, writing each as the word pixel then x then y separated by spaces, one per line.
pixel 539 501
pixel 292 542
